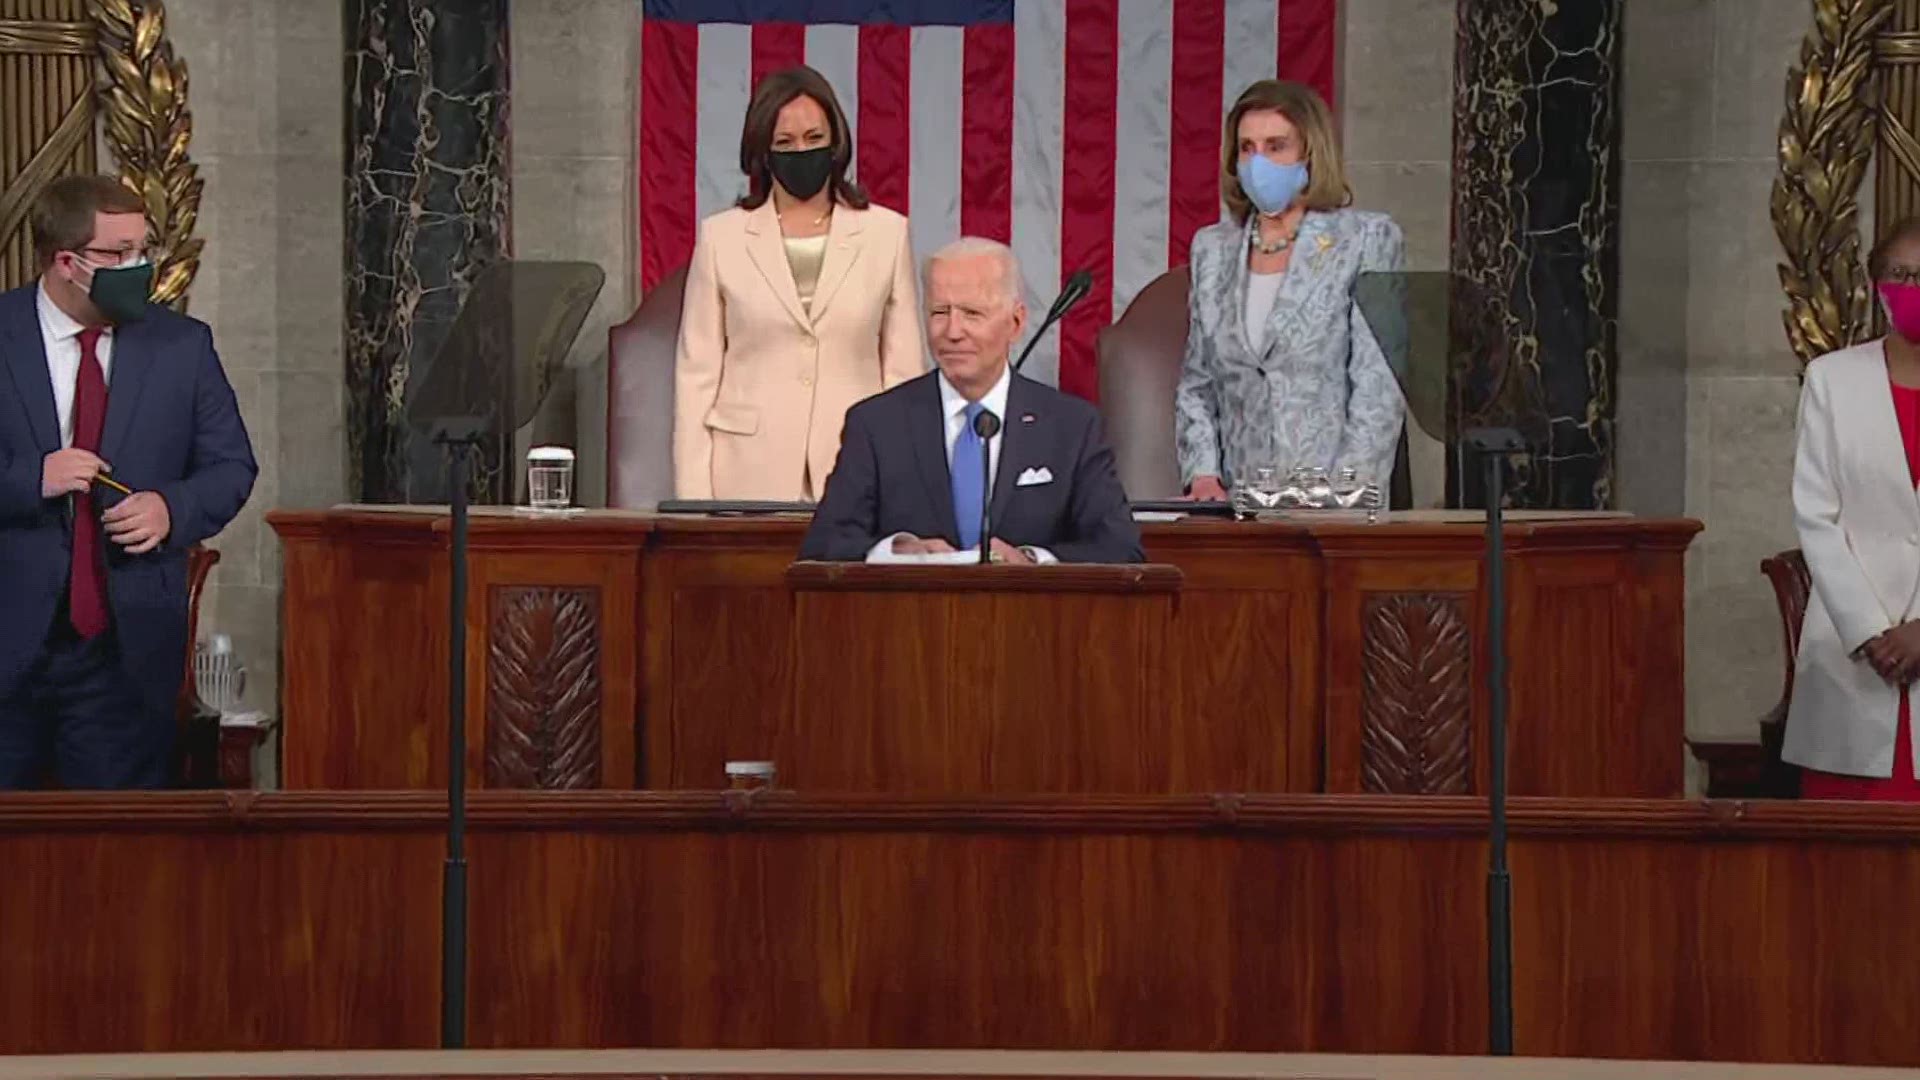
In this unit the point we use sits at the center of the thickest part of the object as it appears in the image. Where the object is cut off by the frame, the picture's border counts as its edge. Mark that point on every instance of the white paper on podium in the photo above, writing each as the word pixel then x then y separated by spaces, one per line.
pixel 884 554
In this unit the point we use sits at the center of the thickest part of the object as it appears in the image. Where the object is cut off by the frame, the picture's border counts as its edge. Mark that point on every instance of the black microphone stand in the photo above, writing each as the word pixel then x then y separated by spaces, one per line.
pixel 461 441
pixel 1494 444
pixel 986 426
pixel 1075 291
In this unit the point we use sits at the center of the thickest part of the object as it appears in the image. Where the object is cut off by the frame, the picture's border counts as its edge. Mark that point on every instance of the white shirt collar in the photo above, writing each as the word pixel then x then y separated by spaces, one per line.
pixel 57 325
pixel 953 403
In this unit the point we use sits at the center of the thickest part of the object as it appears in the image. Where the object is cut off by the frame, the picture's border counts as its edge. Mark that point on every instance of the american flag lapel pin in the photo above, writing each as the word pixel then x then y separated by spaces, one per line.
pixel 1026 418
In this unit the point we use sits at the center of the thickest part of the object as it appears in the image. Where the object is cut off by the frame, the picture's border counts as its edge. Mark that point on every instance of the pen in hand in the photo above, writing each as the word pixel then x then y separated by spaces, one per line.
pixel 111 484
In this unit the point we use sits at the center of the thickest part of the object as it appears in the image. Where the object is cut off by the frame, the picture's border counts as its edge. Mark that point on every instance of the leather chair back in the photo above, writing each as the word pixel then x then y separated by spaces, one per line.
pixel 1139 361
pixel 640 362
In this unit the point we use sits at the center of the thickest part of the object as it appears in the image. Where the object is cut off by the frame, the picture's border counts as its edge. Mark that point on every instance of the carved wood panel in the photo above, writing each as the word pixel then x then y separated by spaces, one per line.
pixel 543 687
pixel 1416 662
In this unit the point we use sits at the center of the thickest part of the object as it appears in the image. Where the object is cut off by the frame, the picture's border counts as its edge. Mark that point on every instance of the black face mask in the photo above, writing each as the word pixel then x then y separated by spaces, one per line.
pixel 121 292
pixel 802 172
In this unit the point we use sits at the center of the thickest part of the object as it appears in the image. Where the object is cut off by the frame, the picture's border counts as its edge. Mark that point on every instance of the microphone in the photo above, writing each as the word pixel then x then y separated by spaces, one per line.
pixel 986 426
pixel 1076 289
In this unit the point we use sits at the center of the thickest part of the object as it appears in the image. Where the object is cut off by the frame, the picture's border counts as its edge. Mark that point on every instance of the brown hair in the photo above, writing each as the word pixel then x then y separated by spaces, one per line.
pixel 1326 172
pixel 62 217
pixel 756 135
pixel 1904 229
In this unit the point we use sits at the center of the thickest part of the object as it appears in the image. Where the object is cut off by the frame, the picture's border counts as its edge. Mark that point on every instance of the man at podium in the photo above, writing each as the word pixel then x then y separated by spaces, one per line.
pixel 929 464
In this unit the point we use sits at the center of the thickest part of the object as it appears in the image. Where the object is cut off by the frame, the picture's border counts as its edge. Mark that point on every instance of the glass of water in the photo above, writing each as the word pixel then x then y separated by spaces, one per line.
pixel 550 478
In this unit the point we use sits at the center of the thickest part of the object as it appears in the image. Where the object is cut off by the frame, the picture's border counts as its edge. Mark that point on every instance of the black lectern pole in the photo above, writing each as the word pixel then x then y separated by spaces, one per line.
pixel 453 884
pixel 1493 445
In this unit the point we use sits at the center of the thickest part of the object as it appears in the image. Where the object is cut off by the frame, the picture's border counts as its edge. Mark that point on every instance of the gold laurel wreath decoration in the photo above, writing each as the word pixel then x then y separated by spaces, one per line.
pixel 144 107
pixel 1826 141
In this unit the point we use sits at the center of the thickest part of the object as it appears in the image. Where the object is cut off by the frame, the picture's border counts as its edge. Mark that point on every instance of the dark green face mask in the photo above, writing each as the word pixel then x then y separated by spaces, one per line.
pixel 121 292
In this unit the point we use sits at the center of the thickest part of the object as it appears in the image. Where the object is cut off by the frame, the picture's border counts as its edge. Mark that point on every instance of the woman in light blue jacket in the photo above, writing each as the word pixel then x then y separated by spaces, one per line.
pixel 1281 369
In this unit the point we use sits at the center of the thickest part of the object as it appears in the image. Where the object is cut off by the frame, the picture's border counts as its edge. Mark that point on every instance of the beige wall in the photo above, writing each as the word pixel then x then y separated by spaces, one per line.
pixel 1708 383
pixel 266 97
pixel 574 65
pixel 1396 122
pixel 1396 116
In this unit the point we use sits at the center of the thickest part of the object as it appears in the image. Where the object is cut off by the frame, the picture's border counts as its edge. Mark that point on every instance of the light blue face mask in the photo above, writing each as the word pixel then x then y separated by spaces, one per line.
pixel 1271 185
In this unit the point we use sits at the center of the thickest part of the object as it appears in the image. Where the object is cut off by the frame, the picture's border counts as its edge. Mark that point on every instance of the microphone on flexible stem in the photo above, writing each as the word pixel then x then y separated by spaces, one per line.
pixel 986 426
pixel 1076 290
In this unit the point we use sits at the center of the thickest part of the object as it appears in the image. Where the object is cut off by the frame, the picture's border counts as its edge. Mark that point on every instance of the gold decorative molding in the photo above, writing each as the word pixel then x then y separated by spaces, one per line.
pixel 46 114
pixel 45 165
pixel 1897 47
pixel 46 38
pixel 62 64
pixel 1826 141
pixel 144 106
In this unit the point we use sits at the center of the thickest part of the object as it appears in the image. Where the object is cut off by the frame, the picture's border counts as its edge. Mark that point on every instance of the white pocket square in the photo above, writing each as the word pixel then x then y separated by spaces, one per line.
pixel 1031 477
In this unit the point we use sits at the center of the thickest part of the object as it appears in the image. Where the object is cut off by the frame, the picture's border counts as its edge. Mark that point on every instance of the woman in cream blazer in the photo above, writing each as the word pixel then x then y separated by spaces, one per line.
pixel 1855 467
pixel 799 302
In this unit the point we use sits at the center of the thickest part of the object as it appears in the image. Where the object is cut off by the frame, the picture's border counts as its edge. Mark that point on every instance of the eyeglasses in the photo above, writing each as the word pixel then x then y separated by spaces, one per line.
pixel 113 258
pixel 1902 275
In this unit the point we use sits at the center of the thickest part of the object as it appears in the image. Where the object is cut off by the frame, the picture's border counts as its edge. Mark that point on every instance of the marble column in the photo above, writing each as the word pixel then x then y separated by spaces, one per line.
pixel 1536 209
pixel 427 200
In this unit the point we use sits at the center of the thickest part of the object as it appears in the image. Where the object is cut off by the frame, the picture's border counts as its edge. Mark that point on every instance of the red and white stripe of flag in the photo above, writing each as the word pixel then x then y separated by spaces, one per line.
pixel 1086 134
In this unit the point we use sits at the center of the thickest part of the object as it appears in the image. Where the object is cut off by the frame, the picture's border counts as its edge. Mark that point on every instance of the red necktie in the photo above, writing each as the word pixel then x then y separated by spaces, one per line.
pixel 87 587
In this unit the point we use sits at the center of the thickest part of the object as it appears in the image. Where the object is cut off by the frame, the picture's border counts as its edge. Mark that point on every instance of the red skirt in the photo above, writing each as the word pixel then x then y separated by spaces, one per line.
pixel 1900 787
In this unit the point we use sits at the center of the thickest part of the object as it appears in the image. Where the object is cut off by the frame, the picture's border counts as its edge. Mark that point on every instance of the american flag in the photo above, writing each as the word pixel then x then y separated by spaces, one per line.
pixel 1084 133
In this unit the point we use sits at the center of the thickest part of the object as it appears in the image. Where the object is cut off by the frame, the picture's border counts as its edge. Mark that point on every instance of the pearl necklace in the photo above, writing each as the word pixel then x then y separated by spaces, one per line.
pixel 1273 247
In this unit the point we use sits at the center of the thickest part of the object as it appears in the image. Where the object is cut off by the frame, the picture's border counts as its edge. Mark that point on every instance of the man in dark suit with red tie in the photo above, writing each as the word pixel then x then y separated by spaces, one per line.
pixel 121 446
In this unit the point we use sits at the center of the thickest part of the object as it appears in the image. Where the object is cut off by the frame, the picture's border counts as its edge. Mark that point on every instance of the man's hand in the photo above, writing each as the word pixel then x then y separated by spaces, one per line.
pixel 1004 552
pixel 1205 488
pixel 913 545
pixel 140 522
pixel 64 472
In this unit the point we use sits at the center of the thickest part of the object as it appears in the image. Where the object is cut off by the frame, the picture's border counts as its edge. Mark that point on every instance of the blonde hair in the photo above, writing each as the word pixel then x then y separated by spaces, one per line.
pixel 1326 170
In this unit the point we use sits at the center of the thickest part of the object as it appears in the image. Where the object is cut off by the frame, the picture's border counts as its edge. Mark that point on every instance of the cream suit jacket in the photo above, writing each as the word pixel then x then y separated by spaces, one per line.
pixel 1859 523
pixel 762 386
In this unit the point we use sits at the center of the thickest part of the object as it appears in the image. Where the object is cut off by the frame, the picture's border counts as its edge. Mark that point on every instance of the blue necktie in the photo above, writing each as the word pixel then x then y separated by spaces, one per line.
pixel 969 475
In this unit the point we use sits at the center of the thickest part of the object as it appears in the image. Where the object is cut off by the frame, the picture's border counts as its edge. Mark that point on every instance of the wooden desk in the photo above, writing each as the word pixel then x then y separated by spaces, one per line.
pixel 1655 929
pixel 997 678
pixel 884 1065
pixel 620 649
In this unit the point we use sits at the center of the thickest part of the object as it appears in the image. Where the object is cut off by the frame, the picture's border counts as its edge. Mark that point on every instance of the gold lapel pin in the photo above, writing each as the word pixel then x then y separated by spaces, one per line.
pixel 1325 243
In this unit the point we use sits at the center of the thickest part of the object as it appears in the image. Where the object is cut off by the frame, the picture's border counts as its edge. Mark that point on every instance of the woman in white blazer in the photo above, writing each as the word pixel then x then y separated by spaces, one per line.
pixel 799 302
pixel 1856 465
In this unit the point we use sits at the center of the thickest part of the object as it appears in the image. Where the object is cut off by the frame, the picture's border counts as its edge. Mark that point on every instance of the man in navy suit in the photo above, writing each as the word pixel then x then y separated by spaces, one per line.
pixel 102 391
pixel 910 480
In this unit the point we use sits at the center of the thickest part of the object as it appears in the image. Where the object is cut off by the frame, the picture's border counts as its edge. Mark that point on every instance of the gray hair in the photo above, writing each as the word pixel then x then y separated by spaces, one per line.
pixel 968 247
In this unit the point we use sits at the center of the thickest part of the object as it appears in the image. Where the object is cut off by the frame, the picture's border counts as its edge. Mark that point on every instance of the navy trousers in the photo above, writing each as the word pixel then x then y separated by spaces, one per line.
pixel 79 720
